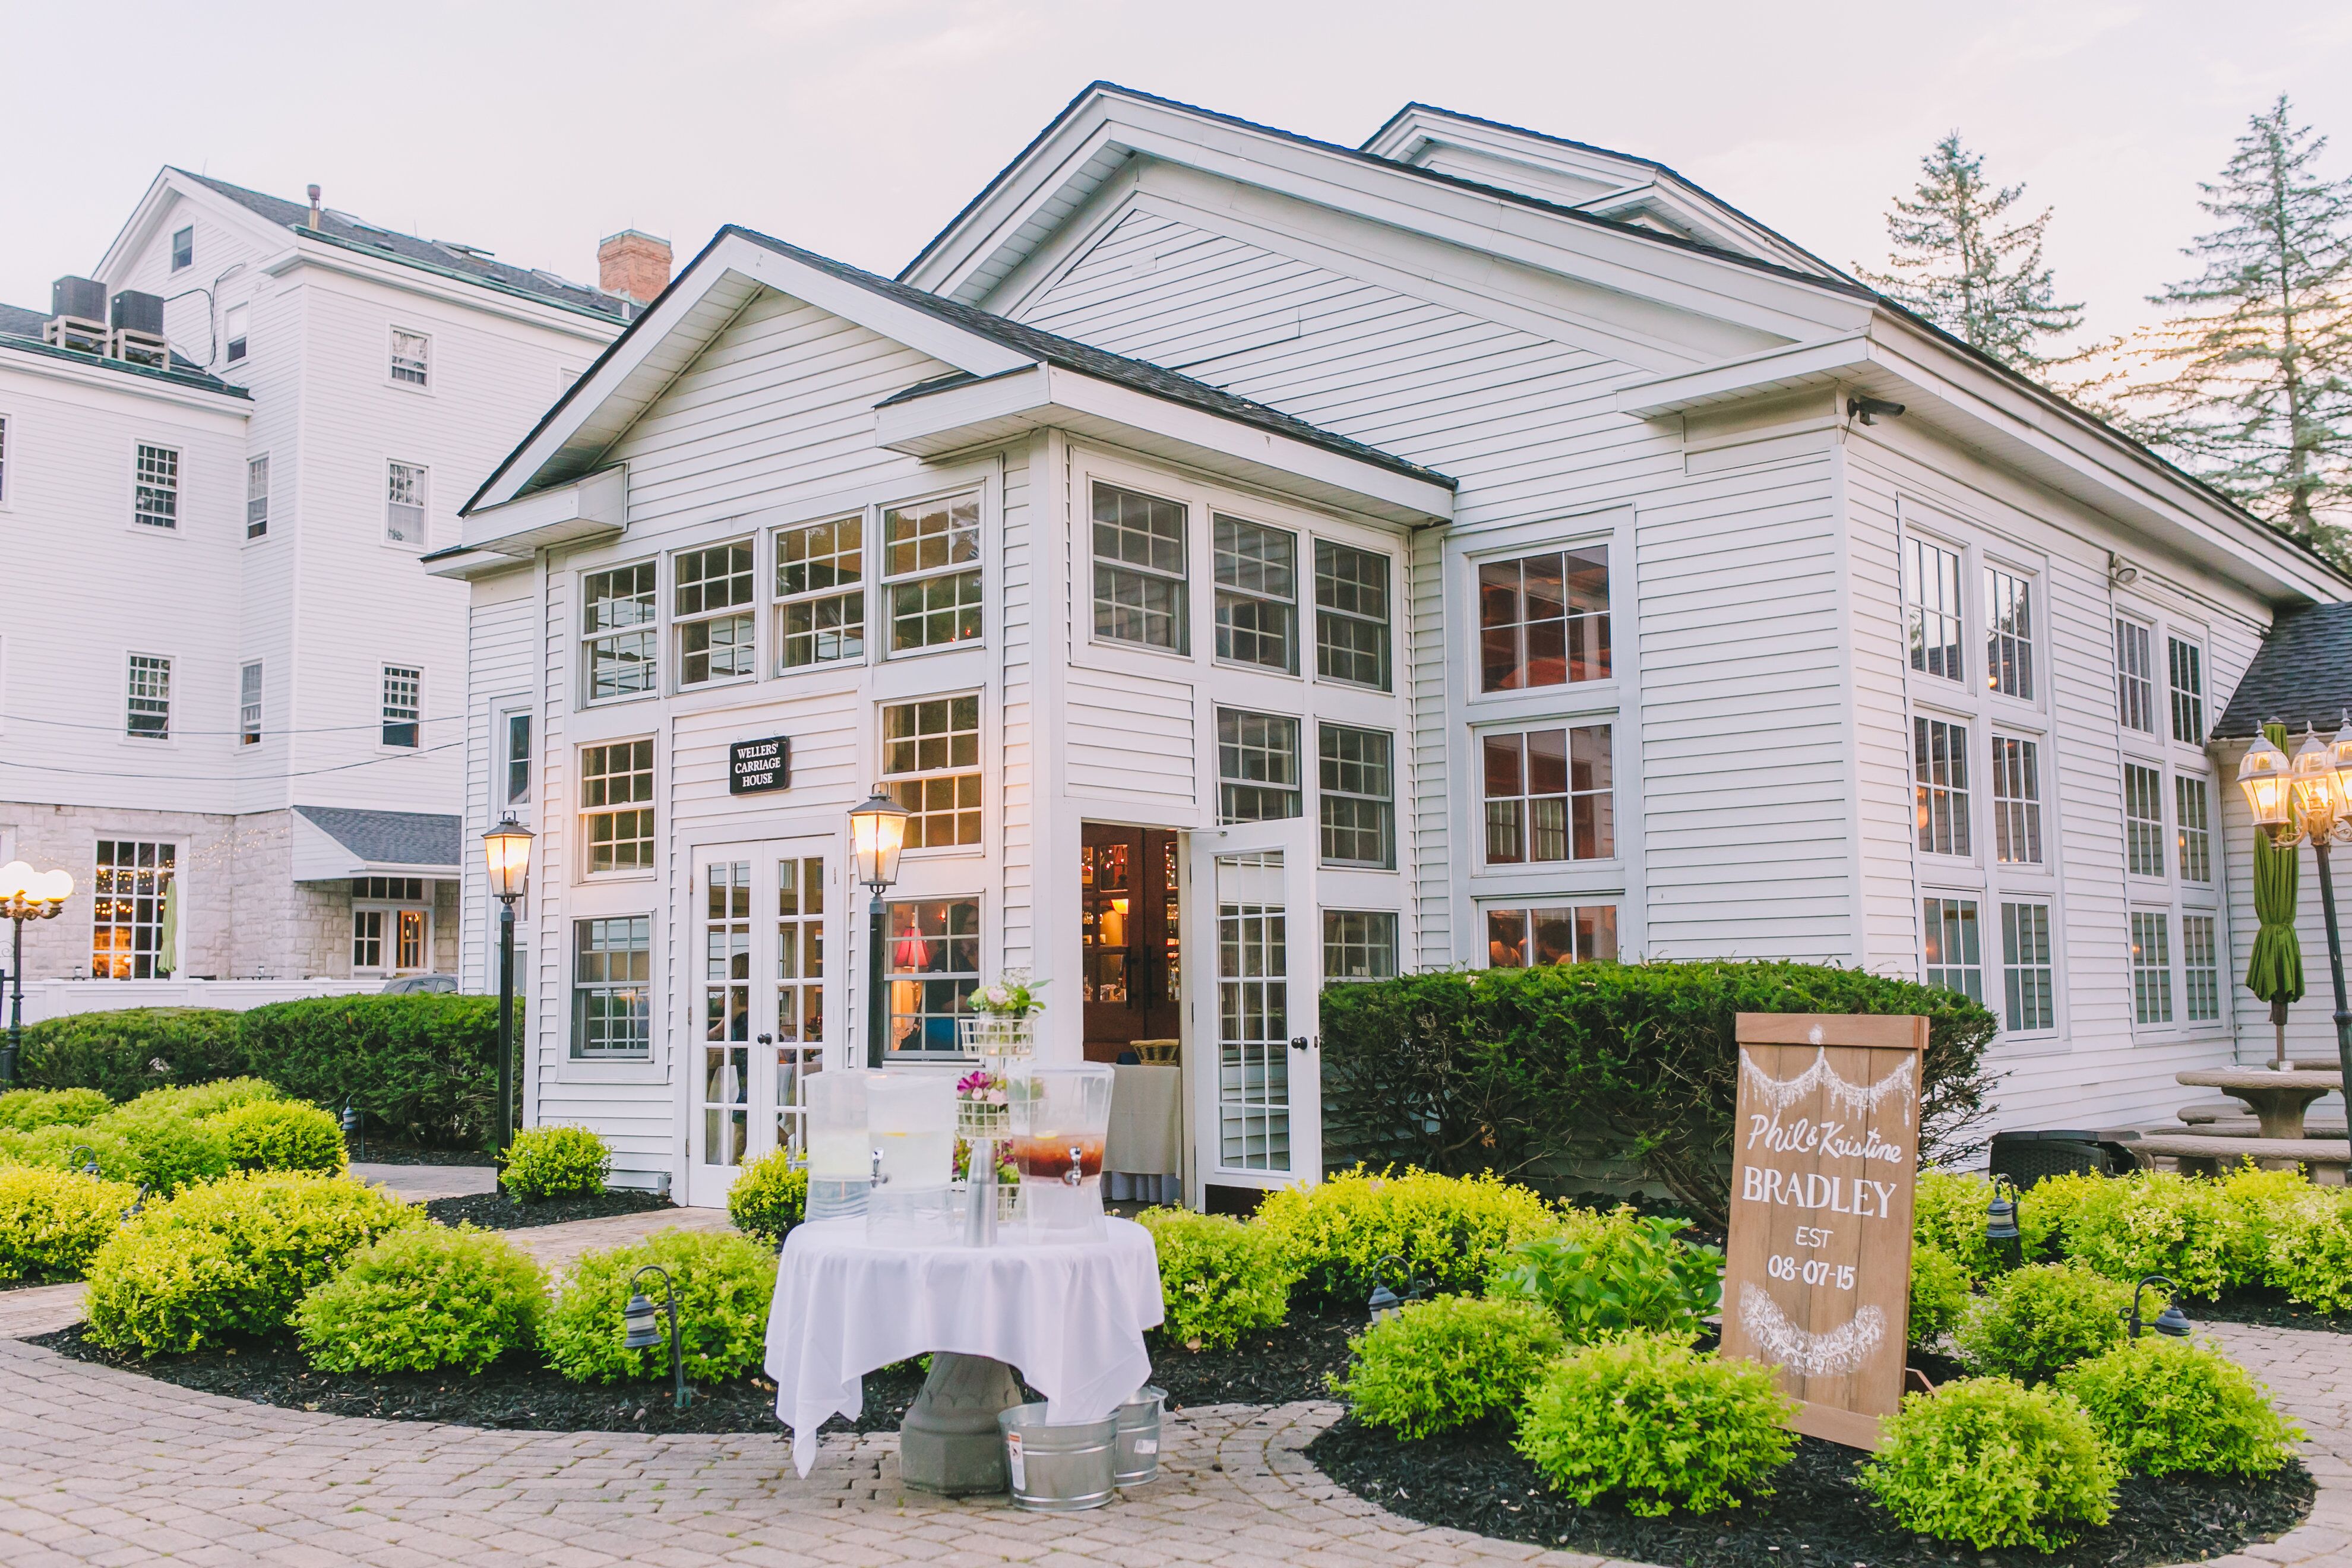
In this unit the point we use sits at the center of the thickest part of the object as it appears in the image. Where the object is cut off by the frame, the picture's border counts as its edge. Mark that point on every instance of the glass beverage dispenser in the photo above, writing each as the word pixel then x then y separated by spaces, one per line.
pixel 840 1152
pixel 1059 1123
pixel 912 1118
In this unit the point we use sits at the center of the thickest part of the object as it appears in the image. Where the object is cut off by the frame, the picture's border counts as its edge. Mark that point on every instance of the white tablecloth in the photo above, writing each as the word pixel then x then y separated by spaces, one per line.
pixel 1070 1317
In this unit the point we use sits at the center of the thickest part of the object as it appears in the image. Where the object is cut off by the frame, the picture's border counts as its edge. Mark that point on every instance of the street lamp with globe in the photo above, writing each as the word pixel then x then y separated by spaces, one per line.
pixel 2308 799
pixel 25 895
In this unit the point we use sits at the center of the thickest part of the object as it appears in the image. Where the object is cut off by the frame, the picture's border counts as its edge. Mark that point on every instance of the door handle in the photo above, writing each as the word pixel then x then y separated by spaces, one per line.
pixel 767 1039
pixel 1297 1042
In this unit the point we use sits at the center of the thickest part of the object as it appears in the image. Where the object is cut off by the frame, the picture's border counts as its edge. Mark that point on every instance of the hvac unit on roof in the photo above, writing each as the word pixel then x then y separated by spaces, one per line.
pixel 77 316
pixel 138 334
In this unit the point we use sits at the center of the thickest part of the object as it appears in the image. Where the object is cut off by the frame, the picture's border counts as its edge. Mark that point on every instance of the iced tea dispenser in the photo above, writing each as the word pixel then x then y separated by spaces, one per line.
pixel 1060 1117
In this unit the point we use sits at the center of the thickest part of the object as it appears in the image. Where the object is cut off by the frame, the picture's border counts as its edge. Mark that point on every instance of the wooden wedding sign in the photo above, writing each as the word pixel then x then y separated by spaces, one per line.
pixel 1817 1276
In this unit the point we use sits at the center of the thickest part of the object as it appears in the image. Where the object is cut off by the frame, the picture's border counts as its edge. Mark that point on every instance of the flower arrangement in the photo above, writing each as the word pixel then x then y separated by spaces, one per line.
pixel 983 1107
pixel 1012 995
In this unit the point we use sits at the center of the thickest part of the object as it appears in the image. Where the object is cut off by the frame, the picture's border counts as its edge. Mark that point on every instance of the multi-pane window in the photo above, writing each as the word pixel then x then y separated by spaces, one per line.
pixel 713 612
pixel 234 331
pixel 389 890
pixel 2192 812
pixel 2009 634
pixel 820 593
pixel 1954 952
pixel 616 792
pixel 800 965
pixel 2144 820
pixel 1357 796
pixel 726 1087
pixel 2188 669
pixel 248 704
pixel 2028 977
pixel 1257 571
pixel 1139 570
pixel 2151 963
pixel 1530 938
pixel 2135 677
pixel 930 763
pixel 934 969
pixel 1931 607
pixel 155 491
pixel 1360 944
pixel 616 620
pixel 930 571
pixel 517 770
pixel 404 697
pixel 1258 766
pixel 128 899
pixel 1352 615
pixel 403 504
pixel 257 497
pixel 2200 969
pixel 412 358
pixel 1543 620
pixel 1548 794
pixel 1939 765
pixel 2016 800
pixel 149 697
pixel 367 939
pixel 390 940
pixel 612 996
pixel 184 248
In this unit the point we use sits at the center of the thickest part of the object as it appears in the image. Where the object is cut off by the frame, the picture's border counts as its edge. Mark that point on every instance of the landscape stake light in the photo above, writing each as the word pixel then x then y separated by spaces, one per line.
pixel 645 1330
pixel 354 1127
pixel 89 1166
pixel 2001 1230
pixel 2171 1322
pixel 1386 1303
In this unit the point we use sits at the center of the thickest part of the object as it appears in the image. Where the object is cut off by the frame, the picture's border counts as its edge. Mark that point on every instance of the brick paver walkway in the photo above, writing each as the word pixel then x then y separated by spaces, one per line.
pixel 102 1467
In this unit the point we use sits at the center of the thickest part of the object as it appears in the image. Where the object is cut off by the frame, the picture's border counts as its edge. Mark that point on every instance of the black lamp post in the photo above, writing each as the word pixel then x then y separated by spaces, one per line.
pixel 25 895
pixel 2309 799
pixel 354 1126
pixel 90 1166
pixel 644 1333
pixel 2001 1233
pixel 507 850
pixel 877 831
pixel 2171 1322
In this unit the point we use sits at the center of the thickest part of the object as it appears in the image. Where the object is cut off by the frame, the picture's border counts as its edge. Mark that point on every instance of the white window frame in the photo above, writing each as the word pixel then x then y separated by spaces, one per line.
pixel 131 694
pixel 174 259
pixel 502 760
pixel 1386 621
pixel 920 779
pixel 256 527
pixel 645 633
pixel 176 489
pixel 1530 909
pixel 882 624
pixel 389 911
pixel 854 590
pixel 422 475
pixel 1237 594
pixel 237 333
pixel 743 609
pixel 392 677
pixel 649 803
pixel 251 690
pixel 1973 899
pixel 394 361
pixel 1179 582
pixel 1332 971
pixel 2160 749
pixel 580 988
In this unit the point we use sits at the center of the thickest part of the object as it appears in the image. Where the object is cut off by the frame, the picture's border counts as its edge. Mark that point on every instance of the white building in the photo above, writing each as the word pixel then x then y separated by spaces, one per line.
pixel 1262 562
pixel 223 667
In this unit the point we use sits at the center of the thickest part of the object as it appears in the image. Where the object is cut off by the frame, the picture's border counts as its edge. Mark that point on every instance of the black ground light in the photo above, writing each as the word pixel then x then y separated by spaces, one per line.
pixel 645 1333
pixel 2171 1322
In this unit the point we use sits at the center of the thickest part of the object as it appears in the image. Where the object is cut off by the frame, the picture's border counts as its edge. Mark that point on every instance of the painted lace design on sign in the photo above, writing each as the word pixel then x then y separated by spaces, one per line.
pixel 1829 1355
pixel 1857 1099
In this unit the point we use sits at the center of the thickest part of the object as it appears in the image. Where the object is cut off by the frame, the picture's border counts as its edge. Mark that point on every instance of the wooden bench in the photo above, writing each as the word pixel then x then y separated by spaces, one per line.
pixel 2326 1158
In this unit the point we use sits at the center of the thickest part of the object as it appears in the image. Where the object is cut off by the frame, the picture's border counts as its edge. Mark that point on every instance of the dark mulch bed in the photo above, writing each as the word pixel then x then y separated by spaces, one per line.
pixel 1270 1367
pixel 512 1393
pixel 497 1211
pixel 384 1152
pixel 1817 1514
pixel 2270 1308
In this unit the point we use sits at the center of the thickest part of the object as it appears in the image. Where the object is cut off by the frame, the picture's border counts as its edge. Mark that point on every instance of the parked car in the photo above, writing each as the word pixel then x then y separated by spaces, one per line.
pixel 410 984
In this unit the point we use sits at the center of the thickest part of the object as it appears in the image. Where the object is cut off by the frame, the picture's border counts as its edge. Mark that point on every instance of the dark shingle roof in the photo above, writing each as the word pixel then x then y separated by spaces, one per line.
pixel 455 261
pixel 2303 675
pixel 392 837
pixel 1086 359
pixel 21 329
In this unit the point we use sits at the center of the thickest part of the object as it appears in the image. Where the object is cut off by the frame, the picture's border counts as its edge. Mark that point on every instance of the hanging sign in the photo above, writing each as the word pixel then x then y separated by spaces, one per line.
pixel 755 767
pixel 1817 1275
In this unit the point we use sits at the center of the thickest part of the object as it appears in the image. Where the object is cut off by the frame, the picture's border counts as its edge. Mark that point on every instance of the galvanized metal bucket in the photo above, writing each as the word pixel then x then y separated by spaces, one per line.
pixel 1136 1458
pixel 1057 1468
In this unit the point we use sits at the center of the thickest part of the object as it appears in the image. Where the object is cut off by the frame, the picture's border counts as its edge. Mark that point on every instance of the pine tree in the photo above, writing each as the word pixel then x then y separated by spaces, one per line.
pixel 1962 262
pixel 2259 397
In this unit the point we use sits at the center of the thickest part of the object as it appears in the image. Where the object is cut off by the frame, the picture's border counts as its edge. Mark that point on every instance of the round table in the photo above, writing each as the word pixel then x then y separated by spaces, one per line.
pixel 1070 1316
pixel 2278 1098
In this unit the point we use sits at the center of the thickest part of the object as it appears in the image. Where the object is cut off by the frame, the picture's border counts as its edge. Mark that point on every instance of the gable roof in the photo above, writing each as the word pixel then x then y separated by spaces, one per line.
pixel 21 329
pixel 2301 675
pixel 1018 347
pixel 453 260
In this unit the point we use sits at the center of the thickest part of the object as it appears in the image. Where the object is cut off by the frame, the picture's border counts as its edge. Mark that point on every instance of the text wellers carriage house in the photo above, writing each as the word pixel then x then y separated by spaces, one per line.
pixel 1257 561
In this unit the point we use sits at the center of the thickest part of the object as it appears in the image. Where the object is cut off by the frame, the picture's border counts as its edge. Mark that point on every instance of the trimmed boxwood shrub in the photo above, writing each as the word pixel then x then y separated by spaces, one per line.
pixel 1498 1070
pixel 1441 1364
pixel 28 1109
pixel 205 1099
pixel 1948 1210
pixel 124 1053
pixel 768 1197
pixel 52 1221
pixel 1993 1463
pixel 422 1066
pixel 2152 1222
pixel 172 1149
pixel 556 1162
pixel 1939 1295
pixel 1444 1232
pixel 724 1284
pixel 1615 1273
pixel 231 1259
pixel 2165 1405
pixel 2311 1250
pixel 282 1135
pixel 2260 1204
pixel 419 1301
pixel 1650 1420
pixel 2040 1319
pixel 65 1148
pixel 1219 1278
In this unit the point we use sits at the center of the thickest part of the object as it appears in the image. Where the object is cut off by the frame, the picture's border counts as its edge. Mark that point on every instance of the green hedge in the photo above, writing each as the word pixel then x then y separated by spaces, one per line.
pixel 1503 1069
pixel 424 1067
pixel 124 1054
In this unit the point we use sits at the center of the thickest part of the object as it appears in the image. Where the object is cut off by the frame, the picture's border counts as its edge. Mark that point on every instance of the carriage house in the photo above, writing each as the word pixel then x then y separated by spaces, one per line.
pixel 1257 563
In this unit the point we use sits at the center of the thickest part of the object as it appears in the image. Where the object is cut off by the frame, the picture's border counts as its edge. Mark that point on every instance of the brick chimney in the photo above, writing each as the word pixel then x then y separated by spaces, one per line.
pixel 633 265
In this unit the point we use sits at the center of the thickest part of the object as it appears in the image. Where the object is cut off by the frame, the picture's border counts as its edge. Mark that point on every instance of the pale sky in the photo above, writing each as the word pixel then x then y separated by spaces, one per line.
pixel 857 128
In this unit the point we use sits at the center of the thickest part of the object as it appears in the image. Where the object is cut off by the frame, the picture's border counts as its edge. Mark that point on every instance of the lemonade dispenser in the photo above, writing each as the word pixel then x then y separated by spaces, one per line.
pixel 840 1152
pixel 1059 1121
pixel 911 1119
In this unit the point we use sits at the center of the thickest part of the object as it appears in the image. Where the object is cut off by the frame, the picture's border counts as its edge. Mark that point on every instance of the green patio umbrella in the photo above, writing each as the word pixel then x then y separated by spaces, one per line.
pixel 2275 968
pixel 167 958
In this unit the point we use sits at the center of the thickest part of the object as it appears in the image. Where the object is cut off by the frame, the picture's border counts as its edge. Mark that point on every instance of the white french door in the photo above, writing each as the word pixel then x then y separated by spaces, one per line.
pixel 1258 1108
pixel 760 1003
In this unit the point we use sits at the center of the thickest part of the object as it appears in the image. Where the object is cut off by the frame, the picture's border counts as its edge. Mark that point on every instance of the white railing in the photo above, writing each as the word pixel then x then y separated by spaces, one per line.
pixel 56 998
